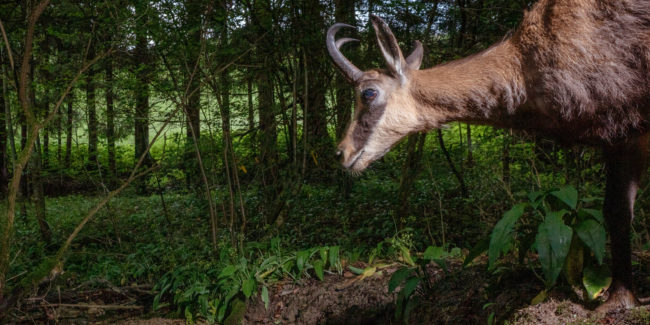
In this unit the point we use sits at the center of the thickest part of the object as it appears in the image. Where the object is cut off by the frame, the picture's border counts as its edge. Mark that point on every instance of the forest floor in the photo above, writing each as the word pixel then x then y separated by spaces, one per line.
pixel 460 295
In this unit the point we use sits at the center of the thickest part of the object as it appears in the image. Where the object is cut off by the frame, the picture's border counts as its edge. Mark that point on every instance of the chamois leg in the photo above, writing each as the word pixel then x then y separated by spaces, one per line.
pixel 625 165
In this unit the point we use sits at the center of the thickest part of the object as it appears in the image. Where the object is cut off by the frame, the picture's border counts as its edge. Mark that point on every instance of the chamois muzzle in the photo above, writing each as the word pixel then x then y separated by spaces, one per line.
pixel 351 72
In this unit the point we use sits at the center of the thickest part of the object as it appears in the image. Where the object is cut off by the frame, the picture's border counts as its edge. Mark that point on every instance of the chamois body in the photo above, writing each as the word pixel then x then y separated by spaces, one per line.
pixel 575 70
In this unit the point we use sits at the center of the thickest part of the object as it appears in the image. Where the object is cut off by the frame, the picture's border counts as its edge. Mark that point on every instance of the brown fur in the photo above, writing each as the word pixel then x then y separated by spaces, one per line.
pixel 574 68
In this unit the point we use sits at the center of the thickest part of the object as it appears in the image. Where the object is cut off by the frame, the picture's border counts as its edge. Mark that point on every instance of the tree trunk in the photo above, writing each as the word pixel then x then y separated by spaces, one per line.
pixel 453 168
pixel 319 143
pixel 410 169
pixel 505 159
pixel 68 130
pixel 35 166
pixel 470 155
pixel 91 109
pixel 110 119
pixel 46 131
pixel 193 84
pixel 38 193
pixel 4 172
pixel 267 135
pixel 143 71
pixel 251 111
pixel 344 11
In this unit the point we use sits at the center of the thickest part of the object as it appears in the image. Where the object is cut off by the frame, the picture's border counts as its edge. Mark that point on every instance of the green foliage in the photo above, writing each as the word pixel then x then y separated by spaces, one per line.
pixel 198 290
pixel 413 276
pixel 501 239
pixel 552 244
pixel 568 237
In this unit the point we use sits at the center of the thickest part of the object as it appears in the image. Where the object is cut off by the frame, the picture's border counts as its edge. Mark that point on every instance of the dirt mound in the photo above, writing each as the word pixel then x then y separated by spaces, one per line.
pixel 346 299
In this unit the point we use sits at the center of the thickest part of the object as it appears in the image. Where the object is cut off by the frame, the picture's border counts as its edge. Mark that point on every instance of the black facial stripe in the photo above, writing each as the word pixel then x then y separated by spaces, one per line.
pixel 366 124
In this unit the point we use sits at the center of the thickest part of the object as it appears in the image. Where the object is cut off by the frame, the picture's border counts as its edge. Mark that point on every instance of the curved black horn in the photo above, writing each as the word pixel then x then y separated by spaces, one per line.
pixel 351 72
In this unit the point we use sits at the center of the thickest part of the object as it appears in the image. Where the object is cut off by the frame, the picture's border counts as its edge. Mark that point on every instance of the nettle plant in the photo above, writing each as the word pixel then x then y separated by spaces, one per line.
pixel 569 239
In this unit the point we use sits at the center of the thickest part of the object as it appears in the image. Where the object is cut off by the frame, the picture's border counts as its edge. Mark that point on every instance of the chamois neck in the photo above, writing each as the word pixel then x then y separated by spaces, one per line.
pixel 484 88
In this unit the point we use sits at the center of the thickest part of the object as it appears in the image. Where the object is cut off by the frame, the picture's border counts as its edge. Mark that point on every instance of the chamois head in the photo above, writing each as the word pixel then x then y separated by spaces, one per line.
pixel 385 111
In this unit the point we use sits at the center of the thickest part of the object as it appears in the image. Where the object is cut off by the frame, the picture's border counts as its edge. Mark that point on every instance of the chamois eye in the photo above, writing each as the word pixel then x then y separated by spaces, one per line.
pixel 369 94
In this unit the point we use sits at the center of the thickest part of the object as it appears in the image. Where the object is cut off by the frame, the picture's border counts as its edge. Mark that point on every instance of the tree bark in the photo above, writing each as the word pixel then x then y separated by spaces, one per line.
pixel 143 71
pixel 319 143
pixel 410 169
pixel 4 172
pixel 470 154
pixel 450 162
pixel 110 119
pixel 7 216
pixel 344 12
pixel 91 109
pixel 193 86
pixel 251 111
pixel 267 135
pixel 38 195
pixel 68 130
pixel 505 159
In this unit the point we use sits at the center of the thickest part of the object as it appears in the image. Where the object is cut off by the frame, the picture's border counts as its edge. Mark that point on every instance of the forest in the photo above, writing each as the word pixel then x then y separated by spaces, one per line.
pixel 175 162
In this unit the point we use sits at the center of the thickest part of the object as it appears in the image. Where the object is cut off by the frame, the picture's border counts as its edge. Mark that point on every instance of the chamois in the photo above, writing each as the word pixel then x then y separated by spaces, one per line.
pixel 575 70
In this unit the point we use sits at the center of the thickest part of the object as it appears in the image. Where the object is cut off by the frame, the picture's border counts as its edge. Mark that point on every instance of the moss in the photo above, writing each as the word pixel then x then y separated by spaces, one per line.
pixel 237 314
pixel 640 315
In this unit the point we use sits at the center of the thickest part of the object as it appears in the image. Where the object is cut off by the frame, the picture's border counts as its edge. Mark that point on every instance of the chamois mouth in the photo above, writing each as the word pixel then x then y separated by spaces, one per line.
pixel 353 160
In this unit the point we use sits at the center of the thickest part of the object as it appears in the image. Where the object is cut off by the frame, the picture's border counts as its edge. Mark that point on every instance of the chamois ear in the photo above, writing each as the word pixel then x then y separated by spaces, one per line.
pixel 389 48
pixel 414 60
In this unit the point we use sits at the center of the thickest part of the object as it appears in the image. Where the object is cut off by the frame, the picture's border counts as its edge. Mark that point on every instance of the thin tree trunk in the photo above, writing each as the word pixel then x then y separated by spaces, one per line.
pixel 110 119
pixel 8 217
pixel 45 157
pixel 68 131
pixel 4 172
pixel 410 169
pixel 59 132
pixel 470 155
pixel 267 135
pixel 35 166
pixel 9 121
pixel 142 66
pixel 319 143
pixel 458 175
pixel 251 111
pixel 39 194
pixel 92 112
pixel 505 159
pixel 193 86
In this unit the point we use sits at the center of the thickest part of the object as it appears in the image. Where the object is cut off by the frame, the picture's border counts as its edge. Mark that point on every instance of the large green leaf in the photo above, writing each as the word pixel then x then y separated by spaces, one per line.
pixel 248 287
pixel 596 214
pixel 334 258
pixel 574 262
pixel 398 277
pixel 301 259
pixel 409 287
pixel 434 252
pixel 318 269
pixel 479 249
pixel 593 235
pixel 501 238
pixel 568 195
pixel 265 297
pixel 596 279
pixel 323 254
pixel 552 242
pixel 227 271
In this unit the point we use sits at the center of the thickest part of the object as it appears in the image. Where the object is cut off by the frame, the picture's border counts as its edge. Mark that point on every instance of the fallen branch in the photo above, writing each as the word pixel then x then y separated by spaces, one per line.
pixel 112 307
